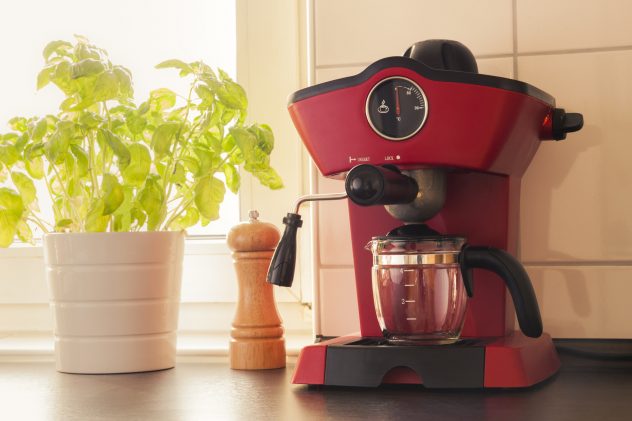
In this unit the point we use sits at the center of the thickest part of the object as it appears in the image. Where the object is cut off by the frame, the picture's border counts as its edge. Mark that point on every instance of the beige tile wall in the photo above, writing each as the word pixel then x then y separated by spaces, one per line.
pixel 576 228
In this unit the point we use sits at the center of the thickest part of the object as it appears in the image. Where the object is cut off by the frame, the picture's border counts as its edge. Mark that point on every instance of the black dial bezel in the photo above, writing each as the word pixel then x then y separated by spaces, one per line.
pixel 368 114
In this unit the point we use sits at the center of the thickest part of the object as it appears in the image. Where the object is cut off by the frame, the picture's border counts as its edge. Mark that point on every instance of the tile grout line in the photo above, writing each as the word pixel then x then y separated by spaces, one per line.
pixel 579 263
pixel 515 55
pixel 514 18
pixel 577 51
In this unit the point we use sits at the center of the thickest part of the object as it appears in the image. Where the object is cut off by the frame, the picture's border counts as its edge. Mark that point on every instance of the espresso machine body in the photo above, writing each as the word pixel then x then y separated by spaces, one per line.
pixel 483 131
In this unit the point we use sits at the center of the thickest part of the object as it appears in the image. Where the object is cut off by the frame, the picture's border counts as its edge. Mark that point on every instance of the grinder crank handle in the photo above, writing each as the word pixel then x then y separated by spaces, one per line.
pixel 512 272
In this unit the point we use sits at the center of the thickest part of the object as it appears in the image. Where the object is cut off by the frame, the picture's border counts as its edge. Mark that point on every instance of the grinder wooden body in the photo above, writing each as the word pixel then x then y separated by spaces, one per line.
pixel 257 333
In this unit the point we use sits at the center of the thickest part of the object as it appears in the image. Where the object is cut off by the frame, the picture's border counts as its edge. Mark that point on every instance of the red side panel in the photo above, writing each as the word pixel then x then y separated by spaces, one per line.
pixel 310 367
pixel 519 361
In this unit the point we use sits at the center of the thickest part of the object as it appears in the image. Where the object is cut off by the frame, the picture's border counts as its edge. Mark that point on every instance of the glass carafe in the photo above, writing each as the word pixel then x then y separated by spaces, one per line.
pixel 418 288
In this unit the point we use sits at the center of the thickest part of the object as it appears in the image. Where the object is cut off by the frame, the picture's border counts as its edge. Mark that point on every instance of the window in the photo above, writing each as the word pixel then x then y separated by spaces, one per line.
pixel 140 34
pixel 136 34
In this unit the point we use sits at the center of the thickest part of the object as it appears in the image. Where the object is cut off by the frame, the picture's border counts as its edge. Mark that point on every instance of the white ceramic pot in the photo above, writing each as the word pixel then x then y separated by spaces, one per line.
pixel 115 299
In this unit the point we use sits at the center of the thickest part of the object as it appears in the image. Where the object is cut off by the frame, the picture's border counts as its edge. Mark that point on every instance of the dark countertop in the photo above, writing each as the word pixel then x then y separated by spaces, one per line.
pixel 584 389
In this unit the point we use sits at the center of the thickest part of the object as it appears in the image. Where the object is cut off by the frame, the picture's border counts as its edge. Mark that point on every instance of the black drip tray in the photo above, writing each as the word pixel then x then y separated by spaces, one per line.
pixel 365 362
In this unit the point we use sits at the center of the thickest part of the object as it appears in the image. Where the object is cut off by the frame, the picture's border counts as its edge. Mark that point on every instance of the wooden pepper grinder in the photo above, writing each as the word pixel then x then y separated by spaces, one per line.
pixel 257 335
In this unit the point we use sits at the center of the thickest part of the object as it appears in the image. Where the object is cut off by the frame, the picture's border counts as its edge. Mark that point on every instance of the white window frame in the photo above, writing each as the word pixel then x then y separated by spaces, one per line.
pixel 270 34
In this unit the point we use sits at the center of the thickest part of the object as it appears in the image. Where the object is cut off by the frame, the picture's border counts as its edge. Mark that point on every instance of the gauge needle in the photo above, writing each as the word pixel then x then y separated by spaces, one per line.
pixel 397 102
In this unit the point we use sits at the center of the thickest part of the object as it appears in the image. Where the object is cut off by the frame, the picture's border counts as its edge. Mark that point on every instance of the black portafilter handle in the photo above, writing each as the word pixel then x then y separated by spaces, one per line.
pixel 368 185
pixel 281 270
pixel 516 279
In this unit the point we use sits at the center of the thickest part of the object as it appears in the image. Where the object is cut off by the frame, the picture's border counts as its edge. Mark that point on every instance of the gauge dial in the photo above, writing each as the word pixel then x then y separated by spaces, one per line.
pixel 396 108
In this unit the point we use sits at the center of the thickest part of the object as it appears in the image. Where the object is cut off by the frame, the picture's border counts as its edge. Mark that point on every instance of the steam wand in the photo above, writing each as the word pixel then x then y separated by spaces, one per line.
pixel 281 270
pixel 365 185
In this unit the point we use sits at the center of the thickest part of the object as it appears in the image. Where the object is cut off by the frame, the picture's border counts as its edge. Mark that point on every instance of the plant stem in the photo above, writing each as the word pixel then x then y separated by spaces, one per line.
pixel 184 205
pixel 106 166
pixel 170 168
pixel 92 167
pixel 71 210
pixel 34 219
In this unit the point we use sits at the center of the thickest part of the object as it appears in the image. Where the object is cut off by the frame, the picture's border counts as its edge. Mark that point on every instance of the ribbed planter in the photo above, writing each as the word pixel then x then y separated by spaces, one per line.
pixel 115 299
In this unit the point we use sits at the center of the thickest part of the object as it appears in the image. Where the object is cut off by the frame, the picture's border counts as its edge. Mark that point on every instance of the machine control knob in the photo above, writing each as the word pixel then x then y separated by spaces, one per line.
pixel 563 122
pixel 368 185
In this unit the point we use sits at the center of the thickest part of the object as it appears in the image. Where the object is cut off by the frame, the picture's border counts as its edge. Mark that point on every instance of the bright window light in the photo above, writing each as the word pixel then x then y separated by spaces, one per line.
pixel 137 34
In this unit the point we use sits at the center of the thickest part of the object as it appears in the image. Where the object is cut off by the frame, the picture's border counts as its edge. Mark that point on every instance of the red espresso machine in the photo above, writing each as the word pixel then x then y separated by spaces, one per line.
pixel 433 151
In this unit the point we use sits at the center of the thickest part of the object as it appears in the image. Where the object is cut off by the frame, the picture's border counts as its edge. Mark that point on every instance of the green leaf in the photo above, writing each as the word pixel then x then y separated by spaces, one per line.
pixel 40 129
pixel 35 167
pixel 246 142
pixel 163 137
pixel 232 177
pixel 62 224
pixel 151 199
pixel 184 68
pixel 33 151
pixel 90 120
pixel 135 122
pixel 162 98
pixel 11 201
pixel 55 47
pixel 190 218
pixel 19 123
pixel 44 76
pixel 24 231
pixel 81 156
pixel 205 93
pixel 113 194
pixel 138 216
pixel 265 137
pixel 179 175
pixel 123 215
pixel 22 141
pixel 105 136
pixel 124 77
pixel 25 186
pixel 213 141
pixel 137 171
pixel 62 77
pixel 106 87
pixel 191 164
pixel 87 67
pixel 9 155
pixel 8 227
pixel 209 193
pixel 83 49
pixel 269 178
pixel 57 146
pixel 206 158
pixel 231 93
pixel 95 220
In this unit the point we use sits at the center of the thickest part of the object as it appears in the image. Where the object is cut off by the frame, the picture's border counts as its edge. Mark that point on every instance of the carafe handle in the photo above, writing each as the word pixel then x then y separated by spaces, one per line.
pixel 513 273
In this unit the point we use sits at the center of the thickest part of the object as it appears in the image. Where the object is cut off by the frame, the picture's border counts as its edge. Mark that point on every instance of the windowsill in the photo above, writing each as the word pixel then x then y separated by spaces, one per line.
pixel 39 346
pixel 192 246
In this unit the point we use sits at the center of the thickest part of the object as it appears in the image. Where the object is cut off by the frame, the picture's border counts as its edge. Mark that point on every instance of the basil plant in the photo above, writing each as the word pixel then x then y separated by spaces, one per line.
pixel 110 165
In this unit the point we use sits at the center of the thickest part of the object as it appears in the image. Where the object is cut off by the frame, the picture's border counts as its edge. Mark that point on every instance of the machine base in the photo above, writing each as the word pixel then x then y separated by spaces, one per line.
pixel 511 361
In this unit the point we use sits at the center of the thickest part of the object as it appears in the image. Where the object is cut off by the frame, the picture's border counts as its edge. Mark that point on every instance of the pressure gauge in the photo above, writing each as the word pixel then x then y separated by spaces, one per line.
pixel 396 108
